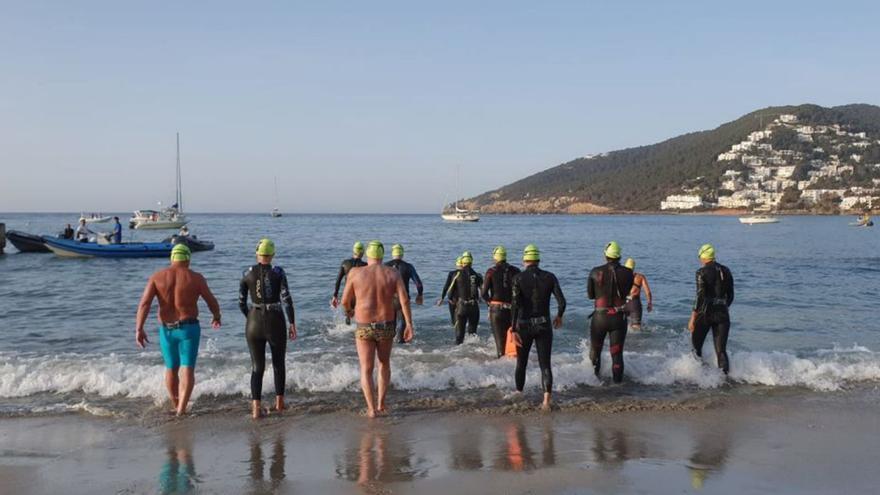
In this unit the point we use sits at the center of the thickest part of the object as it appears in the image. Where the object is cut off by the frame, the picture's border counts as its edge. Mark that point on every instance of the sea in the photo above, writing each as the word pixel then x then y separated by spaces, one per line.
pixel 804 320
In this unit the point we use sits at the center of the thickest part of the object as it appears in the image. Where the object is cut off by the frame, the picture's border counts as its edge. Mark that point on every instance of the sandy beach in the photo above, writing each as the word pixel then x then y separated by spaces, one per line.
pixel 781 444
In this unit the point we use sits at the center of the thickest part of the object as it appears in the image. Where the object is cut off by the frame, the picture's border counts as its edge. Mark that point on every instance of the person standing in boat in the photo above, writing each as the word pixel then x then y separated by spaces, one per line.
pixel 68 232
pixel 270 301
pixel 117 231
pixel 82 231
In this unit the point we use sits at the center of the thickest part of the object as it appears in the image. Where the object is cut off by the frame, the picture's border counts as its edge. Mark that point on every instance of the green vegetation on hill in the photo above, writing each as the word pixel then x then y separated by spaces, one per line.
pixel 637 179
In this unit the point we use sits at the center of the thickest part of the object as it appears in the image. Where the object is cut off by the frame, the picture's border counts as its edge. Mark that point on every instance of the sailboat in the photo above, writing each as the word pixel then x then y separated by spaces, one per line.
pixel 171 217
pixel 459 214
pixel 275 211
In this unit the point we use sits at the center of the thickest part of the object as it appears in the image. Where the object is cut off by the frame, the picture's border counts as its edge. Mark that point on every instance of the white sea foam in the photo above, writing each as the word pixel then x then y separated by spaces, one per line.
pixel 466 367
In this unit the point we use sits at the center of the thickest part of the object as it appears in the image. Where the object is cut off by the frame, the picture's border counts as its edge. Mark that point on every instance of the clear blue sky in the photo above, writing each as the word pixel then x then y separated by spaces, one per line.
pixel 370 106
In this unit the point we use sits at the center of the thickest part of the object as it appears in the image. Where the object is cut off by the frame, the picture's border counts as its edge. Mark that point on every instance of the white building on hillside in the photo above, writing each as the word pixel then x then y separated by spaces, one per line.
pixel 682 202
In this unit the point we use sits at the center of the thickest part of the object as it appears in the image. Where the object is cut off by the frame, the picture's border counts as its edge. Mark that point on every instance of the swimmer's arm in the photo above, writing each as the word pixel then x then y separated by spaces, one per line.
pixel 591 287
pixel 339 277
pixel 209 298
pixel 243 296
pixel 729 288
pixel 348 293
pixel 287 299
pixel 484 290
pixel 560 299
pixel 140 336
pixel 647 289
pixel 144 306
pixel 419 287
pixel 405 307
pixel 515 303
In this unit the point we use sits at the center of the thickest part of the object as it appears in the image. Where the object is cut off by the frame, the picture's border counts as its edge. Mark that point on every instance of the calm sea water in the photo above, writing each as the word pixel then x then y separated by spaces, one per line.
pixel 804 316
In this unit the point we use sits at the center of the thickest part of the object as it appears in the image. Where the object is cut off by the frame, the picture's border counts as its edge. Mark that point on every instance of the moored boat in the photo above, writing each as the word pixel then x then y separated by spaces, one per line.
pixel 77 249
pixel 191 241
pixel 459 215
pixel 27 243
pixel 94 218
pixel 168 218
pixel 758 219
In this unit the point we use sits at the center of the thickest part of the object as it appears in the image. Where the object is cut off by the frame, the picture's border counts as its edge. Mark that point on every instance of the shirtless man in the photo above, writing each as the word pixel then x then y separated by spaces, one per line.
pixel 634 301
pixel 178 289
pixel 374 287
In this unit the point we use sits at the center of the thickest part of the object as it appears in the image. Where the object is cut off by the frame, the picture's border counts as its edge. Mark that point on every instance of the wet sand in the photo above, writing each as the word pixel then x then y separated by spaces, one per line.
pixel 779 444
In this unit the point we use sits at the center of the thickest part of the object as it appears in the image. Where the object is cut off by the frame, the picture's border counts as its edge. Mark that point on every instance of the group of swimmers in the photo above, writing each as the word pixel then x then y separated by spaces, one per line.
pixel 376 295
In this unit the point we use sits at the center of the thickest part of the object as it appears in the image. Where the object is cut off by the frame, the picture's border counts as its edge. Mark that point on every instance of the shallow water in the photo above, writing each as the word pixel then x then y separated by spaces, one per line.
pixel 803 317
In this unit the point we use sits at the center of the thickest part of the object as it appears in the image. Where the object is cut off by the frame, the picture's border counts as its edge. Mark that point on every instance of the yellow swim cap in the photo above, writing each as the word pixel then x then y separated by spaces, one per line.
pixel 358 248
pixel 630 263
pixel 266 247
pixel 499 253
pixel 612 250
pixel 458 262
pixel 397 250
pixel 375 250
pixel 706 252
pixel 531 253
pixel 180 252
pixel 467 258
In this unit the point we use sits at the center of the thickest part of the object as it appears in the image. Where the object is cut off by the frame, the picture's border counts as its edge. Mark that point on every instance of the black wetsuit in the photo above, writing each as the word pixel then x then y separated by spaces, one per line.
pixel 449 278
pixel 609 285
pixel 498 293
pixel 269 293
pixel 466 288
pixel 530 310
pixel 346 267
pixel 407 273
pixel 714 295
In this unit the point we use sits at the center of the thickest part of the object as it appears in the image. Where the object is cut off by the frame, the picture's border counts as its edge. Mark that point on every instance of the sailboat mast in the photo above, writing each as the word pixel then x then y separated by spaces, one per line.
pixel 179 185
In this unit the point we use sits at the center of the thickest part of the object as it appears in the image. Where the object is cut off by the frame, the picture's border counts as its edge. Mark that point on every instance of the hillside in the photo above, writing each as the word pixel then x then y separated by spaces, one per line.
pixel 638 179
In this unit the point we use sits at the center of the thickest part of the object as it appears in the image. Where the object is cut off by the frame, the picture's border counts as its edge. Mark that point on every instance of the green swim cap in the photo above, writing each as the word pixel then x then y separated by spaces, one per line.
pixel 467 258
pixel 358 248
pixel 531 253
pixel 630 263
pixel 375 250
pixel 612 250
pixel 707 252
pixel 499 253
pixel 180 252
pixel 266 247
pixel 397 250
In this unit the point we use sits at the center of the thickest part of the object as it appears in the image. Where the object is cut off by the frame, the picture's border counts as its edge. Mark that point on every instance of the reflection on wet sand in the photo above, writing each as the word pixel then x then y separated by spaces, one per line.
pixel 515 452
pixel 614 446
pixel 178 474
pixel 380 455
pixel 709 455
pixel 464 450
pixel 257 467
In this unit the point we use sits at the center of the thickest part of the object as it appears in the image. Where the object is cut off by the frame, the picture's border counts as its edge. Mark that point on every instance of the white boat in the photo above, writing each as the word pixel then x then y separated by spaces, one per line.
pixel 275 211
pixel 459 214
pixel 171 217
pixel 94 218
pixel 758 219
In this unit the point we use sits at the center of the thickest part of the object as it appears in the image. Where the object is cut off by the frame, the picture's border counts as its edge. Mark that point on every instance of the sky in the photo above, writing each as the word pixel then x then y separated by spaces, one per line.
pixel 374 106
